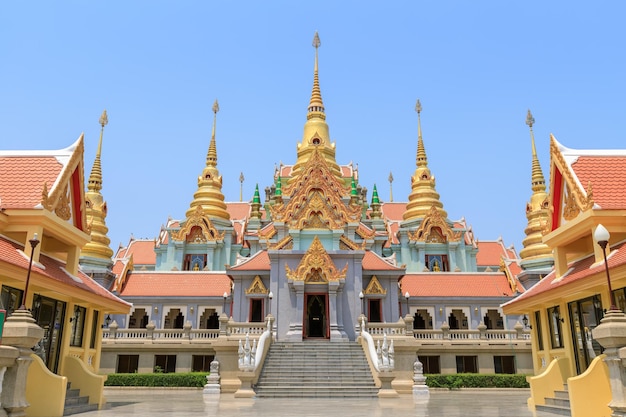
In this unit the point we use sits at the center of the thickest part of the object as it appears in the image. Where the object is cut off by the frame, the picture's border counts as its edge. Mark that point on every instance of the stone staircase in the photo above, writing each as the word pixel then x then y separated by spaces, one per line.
pixel 75 404
pixel 555 406
pixel 316 369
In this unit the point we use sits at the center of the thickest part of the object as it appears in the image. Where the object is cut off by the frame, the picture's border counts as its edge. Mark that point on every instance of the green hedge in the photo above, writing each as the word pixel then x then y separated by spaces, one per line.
pixel 193 379
pixel 455 381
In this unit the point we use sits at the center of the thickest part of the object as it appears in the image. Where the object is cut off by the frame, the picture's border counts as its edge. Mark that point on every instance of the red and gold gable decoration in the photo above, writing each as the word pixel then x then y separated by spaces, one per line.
pixel 198 229
pixel 568 197
pixel 316 267
pixel 316 200
pixel 434 229
pixel 66 197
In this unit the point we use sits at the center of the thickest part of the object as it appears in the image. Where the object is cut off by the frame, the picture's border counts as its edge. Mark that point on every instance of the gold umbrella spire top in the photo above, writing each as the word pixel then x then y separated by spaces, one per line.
pixel 537 179
pixel 316 106
pixel 421 159
pixel 96 209
pixel 211 157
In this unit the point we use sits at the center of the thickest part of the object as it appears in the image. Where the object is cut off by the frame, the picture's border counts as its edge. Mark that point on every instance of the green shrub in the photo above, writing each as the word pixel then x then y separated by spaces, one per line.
pixel 192 379
pixel 455 381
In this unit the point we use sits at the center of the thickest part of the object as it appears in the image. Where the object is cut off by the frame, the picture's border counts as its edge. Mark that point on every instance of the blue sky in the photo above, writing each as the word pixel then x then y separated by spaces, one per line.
pixel 157 67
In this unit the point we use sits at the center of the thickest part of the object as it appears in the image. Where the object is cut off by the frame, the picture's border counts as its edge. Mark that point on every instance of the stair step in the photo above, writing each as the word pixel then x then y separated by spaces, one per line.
pixel 75 403
pixel 553 409
pixel 316 370
pixel 83 408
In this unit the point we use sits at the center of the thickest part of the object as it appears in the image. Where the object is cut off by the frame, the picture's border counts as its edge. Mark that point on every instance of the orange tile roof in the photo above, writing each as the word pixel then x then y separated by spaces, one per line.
pixel 22 179
pixel 493 284
pixel 53 270
pixel 260 261
pixel 607 176
pixel 393 211
pixel 176 284
pixel 373 262
pixel 490 253
pixel 238 210
pixel 142 251
pixel 578 270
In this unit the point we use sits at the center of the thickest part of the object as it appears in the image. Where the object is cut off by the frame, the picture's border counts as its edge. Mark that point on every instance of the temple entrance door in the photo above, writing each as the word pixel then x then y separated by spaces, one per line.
pixel 316 316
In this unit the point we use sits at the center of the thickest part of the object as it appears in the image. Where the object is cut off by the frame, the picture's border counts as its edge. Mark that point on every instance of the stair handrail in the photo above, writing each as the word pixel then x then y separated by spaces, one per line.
pixel 371 347
pixel 266 337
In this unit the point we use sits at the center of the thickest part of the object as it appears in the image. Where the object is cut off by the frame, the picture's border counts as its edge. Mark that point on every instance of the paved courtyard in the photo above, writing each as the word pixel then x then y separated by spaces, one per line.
pixel 191 403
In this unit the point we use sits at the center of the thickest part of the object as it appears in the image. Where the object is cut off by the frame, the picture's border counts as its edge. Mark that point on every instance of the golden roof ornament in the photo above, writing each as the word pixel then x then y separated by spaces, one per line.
pixel 96 206
pixel 209 194
pixel 316 134
pixel 423 194
pixel 537 209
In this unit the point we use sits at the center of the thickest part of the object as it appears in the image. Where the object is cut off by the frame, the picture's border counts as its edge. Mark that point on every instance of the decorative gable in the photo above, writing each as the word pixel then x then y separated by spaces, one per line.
pixel 257 287
pixel 315 201
pixel 434 229
pixel 374 288
pixel 198 229
pixel 569 198
pixel 316 266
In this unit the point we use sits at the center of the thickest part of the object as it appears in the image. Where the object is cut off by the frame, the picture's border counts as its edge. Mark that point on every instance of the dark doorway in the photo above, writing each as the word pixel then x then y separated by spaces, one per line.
pixel 49 315
pixel 315 316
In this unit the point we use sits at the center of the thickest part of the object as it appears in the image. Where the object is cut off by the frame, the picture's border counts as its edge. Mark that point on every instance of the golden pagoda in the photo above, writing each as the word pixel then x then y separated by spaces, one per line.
pixel 423 195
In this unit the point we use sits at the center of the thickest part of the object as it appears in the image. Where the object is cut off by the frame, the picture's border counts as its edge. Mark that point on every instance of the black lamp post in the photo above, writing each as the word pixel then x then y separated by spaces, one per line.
pixel 406 297
pixel 602 236
pixel 224 306
pixel 33 244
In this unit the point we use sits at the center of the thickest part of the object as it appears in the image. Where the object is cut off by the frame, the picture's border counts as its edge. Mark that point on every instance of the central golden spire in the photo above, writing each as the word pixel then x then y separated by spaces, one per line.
pixel 209 194
pixel 423 195
pixel 96 207
pixel 537 209
pixel 316 135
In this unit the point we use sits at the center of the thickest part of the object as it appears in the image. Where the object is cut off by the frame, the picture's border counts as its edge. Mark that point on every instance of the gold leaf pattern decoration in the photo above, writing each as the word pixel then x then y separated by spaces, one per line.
pixel 63 207
pixel 257 287
pixel 198 229
pixel 570 208
pixel 316 266
pixel 374 287
pixel 434 228
pixel 316 200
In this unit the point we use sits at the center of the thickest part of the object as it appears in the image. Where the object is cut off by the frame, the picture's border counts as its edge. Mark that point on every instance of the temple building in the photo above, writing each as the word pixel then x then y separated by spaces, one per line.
pixel 316 253
pixel 586 230
pixel 44 224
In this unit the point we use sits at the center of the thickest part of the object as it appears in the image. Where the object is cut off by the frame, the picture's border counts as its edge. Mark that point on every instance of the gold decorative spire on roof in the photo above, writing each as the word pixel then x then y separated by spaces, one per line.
pixel 316 134
pixel 96 207
pixel 209 194
pixel 537 209
pixel 423 195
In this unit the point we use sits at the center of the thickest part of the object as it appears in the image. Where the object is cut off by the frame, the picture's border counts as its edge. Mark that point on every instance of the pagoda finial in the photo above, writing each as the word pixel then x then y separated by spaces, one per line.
pixel 421 159
pixel 390 179
pixel 209 196
pixel 241 180
pixel 316 106
pixel 537 180
pixel 537 212
pixel 96 210
pixel 423 195
pixel 211 157
pixel 95 179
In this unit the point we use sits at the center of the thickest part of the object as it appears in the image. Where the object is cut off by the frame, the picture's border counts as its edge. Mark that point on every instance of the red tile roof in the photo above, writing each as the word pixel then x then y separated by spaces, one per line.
pixel 12 253
pixel 373 262
pixel 176 284
pixel 577 271
pixel 607 176
pixel 260 261
pixel 22 179
pixel 393 211
pixel 238 210
pixel 142 252
pixel 490 253
pixel 493 284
